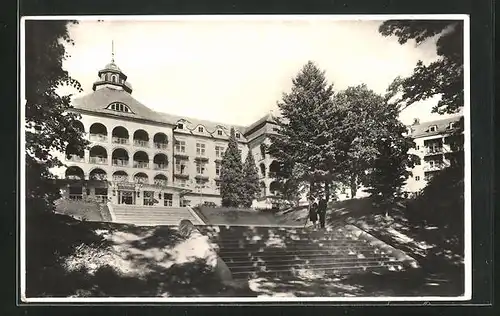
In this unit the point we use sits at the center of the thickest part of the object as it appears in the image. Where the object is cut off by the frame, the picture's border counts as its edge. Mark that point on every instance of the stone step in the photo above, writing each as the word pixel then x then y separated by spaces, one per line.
pixel 290 243
pixel 295 261
pixel 340 265
pixel 327 271
pixel 312 252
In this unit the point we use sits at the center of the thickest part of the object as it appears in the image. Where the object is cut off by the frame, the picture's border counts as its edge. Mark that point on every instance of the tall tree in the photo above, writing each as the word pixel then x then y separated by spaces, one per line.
pixel 49 122
pixel 445 76
pixel 231 186
pixel 362 112
pixel 250 187
pixel 392 164
pixel 305 127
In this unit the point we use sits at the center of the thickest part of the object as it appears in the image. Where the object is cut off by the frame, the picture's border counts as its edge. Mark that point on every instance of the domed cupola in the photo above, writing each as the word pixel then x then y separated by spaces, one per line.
pixel 111 76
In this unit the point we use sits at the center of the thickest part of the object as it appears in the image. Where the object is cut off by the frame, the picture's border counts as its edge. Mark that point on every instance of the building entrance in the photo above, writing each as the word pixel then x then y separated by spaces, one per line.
pixel 126 197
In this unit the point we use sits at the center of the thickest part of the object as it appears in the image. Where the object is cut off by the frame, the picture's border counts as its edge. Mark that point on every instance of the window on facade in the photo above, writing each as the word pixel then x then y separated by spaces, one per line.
pixel 180 126
pixel 119 107
pixel 219 151
pixel 217 168
pixel 433 128
pixel 219 132
pixel 185 203
pixel 200 149
pixel 417 178
pixel 180 146
pixel 418 147
pixel 200 129
pixel 180 166
pixel 167 199
pixel 237 135
pixel 200 168
pixel 217 185
pixel 452 125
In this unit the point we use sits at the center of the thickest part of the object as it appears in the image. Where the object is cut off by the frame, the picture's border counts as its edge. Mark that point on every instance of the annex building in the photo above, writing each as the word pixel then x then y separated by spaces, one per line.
pixel 138 156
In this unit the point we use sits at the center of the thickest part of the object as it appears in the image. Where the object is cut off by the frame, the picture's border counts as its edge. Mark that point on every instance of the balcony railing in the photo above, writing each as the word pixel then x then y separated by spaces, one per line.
pixel 160 182
pixel 99 160
pixel 120 140
pixel 120 162
pixel 180 154
pixel 141 164
pixel 436 167
pixel 75 158
pixel 181 175
pixel 74 177
pixel 102 198
pixel 160 166
pixel 161 145
pixel 76 197
pixel 141 180
pixel 141 143
pixel 98 137
pixel 201 158
pixel 98 176
pixel 434 150
pixel 120 178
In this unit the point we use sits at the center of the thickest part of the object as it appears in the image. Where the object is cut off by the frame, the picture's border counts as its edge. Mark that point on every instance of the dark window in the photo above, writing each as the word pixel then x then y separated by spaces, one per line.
pixel 417 178
pixel 200 129
pixel 180 126
pixel 219 132
pixel 237 135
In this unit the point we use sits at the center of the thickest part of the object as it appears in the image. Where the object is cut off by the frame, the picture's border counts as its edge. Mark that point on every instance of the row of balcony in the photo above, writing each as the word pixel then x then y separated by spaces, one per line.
pixel 126 141
pixel 118 162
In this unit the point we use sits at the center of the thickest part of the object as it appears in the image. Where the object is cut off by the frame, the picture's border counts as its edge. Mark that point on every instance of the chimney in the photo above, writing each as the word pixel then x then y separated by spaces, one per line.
pixel 416 121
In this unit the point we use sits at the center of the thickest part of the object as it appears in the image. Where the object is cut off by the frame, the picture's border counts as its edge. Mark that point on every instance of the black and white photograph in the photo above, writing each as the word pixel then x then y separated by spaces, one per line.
pixel 245 158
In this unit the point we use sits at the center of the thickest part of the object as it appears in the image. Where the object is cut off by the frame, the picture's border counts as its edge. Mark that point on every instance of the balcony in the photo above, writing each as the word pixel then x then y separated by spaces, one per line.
pixel 98 160
pixel 180 175
pixel 163 146
pixel 201 177
pixel 160 166
pixel 160 182
pixel 98 138
pixel 75 158
pixel 201 158
pixel 120 162
pixel 141 180
pixel 102 198
pixel 436 167
pixel 120 140
pixel 120 178
pixel 433 151
pixel 141 143
pixel 181 155
pixel 141 164
pixel 75 197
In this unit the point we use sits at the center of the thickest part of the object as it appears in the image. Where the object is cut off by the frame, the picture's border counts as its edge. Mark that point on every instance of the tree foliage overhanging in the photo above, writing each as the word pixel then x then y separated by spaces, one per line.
pixel 49 125
pixel 445 76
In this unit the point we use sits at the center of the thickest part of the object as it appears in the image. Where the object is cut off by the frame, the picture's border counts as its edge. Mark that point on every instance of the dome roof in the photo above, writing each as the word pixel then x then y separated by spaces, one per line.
pixel 112 66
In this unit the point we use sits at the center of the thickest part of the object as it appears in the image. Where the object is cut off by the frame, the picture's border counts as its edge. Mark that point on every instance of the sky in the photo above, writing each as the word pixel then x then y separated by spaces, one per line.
pixel 235 71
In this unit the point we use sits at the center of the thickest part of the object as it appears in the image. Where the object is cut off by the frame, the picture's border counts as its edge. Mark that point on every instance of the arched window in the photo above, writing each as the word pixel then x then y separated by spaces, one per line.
pixel 114 78
pixel 119 107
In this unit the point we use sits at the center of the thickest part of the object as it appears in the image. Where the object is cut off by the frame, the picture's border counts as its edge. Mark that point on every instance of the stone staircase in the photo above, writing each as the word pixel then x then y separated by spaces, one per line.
pixel 272 252
pixel 152 215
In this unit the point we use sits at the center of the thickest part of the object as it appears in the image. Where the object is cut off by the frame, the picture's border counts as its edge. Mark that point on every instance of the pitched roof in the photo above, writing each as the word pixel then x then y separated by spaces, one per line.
pixel 99 100
pixel 269 118
pixel 423 129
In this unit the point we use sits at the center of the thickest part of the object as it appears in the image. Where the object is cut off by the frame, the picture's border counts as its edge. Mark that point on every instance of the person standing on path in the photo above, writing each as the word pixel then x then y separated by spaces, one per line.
pixel 322 212
pixel 313 214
